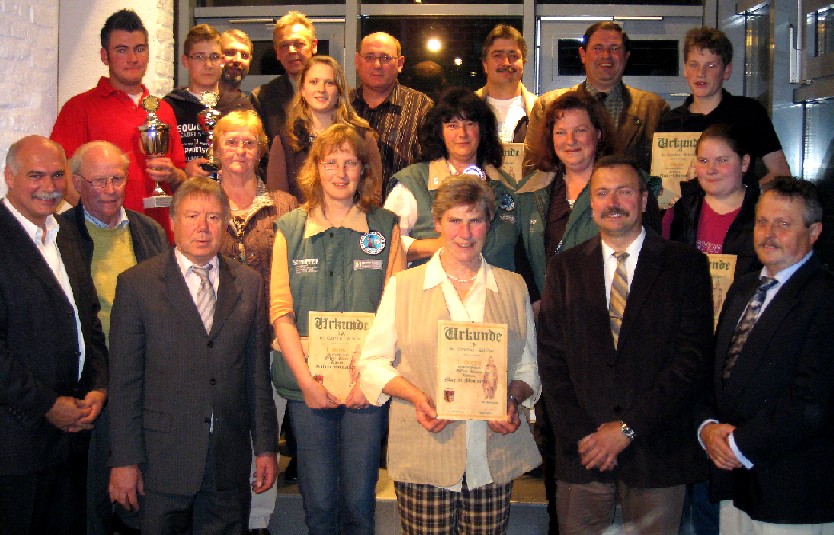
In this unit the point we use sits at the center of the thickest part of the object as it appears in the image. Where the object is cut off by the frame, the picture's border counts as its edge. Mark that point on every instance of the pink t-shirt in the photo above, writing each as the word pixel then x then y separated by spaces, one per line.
pixel 712 229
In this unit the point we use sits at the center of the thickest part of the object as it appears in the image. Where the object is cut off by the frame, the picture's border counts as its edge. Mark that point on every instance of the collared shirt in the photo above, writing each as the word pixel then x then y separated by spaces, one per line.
pixel 396 121
pixel 610 262
pixel 48 248
pixel 613 102
pixel 122 222
pixel 376 362
pixel 192 280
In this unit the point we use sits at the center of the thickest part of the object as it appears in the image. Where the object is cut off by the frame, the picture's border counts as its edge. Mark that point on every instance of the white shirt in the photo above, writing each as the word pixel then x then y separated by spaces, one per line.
pixel 610 262
pixel 52 256
pixel 376 362
pixel 192 280
pixel 508 112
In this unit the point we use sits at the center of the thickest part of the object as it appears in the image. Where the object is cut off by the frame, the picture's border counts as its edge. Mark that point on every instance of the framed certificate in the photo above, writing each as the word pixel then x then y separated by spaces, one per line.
pixel 335 342
pixel 471 371
pixel 673 159
pixel 722 269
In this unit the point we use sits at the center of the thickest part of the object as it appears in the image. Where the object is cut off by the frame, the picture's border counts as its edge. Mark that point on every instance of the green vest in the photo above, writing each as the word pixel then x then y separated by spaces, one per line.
pixel 329 272
pixel 499 248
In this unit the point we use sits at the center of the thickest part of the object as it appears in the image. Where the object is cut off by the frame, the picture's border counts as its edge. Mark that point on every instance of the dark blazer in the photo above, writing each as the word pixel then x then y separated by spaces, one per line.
pixel 147 235
pixel 271 101
pixel 651 380
pixel 168 377
pixel 780 397
pixel 39 345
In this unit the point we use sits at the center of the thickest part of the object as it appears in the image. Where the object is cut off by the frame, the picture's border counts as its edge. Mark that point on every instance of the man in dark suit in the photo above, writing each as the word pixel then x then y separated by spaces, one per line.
pixel 53 361
pixel 769 421
pixel 190 378
pixel 623 341
pixel 113 239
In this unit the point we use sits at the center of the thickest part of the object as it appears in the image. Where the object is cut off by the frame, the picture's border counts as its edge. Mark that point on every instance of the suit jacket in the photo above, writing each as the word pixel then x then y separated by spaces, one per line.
pixel 147 235
pixel 650 381
pixel 641 116
pixel 170 380
pixel 271 100
pixel 779 397
pixel 39 345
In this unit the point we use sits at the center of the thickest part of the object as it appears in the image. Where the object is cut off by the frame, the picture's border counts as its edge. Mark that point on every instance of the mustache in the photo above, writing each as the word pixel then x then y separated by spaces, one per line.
pixel 506 68
pixel 50 196
pixel 768 243
pixel 615 211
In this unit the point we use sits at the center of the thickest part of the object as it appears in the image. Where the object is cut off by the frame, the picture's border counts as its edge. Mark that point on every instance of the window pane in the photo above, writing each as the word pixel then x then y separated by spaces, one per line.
pixel 457 52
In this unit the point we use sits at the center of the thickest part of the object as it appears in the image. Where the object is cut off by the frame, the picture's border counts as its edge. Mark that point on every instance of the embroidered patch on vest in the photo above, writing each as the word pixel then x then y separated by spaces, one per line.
pixel 367 264
pixel 372 243
pixel 306 265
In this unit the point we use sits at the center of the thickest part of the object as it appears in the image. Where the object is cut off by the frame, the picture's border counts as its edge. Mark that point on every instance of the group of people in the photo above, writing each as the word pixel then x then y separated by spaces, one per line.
pixel 143 385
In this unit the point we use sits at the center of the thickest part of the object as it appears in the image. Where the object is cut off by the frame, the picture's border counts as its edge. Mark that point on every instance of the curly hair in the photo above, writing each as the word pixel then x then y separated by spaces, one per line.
pixel 299 118
pixel 460 103
pixel 574 100
pixel 338 136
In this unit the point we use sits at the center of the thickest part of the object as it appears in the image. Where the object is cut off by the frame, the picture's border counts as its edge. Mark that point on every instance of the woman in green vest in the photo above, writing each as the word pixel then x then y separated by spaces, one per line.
pixel 453 473
pixel 334 254
pixel 459 133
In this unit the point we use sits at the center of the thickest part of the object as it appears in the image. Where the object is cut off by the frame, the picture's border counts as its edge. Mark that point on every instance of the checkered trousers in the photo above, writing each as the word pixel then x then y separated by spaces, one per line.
pixel 427 510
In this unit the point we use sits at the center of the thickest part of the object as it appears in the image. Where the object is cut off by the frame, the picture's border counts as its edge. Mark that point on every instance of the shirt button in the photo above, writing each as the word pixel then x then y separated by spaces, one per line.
pixel 213 382
pixel 208 419
pixel 210 344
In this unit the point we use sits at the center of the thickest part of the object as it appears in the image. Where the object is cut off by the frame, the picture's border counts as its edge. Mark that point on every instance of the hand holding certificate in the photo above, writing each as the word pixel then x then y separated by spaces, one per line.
pixel 472 371
pixel 336 340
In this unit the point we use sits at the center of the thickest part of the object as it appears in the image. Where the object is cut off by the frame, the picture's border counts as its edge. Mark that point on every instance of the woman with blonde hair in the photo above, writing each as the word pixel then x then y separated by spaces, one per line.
pixel 334 254
pixel 321 100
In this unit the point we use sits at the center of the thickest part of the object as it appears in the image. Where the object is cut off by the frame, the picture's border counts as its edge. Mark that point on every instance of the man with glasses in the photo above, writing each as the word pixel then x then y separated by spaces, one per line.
pixel 53 361
pixel 237 55
pixel 393 110
pixel 112 240
pixel 294 39
pixel 203 59
pixel 112 111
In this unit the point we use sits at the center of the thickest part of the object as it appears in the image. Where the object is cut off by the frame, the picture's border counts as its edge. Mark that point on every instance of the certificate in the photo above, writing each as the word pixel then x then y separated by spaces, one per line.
pixel 513 159
pixel 336 340
pixel 673 154
pixel 722 269
pixel 471 371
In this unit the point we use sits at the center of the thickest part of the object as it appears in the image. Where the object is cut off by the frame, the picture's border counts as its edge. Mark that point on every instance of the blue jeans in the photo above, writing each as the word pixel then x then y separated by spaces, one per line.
pixel 338 466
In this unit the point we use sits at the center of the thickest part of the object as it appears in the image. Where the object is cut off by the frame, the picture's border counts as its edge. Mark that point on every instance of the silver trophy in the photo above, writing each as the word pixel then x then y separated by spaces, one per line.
pixel 154 136
pixel 207 119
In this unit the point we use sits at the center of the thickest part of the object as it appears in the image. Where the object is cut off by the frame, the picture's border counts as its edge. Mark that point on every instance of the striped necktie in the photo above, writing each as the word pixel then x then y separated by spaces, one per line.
pixel 746 323
pixel 205 299
pixel 618 297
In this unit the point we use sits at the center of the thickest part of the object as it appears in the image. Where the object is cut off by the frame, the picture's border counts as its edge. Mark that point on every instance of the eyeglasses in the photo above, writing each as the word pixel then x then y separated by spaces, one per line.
pixel 350 165
pixel 383 59
pixel 100 182
pixel 202 58
pixel 235 142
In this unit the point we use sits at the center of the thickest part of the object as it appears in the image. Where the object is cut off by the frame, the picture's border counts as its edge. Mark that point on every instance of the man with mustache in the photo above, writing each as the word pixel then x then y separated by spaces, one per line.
pixel 767 421
pixel 503 57
pixel 624 337
pixel 635 114
pixel 53 361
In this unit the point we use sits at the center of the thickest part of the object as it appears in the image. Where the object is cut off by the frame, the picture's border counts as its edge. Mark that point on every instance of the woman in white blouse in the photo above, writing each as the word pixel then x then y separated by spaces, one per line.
pixel 452 475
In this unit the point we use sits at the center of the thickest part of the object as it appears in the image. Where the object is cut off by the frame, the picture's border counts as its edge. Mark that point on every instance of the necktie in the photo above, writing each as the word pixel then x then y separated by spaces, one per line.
pixel 206 299
pixel 745 325
pixel 618 297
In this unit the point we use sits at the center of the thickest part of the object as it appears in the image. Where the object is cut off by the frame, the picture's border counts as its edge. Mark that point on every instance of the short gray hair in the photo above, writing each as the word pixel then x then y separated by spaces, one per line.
pixel 77 159
pixel 199 186
pixel 463 190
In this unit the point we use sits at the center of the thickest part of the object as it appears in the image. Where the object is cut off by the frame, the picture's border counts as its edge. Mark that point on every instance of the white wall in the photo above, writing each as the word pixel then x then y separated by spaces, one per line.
pixel 28 61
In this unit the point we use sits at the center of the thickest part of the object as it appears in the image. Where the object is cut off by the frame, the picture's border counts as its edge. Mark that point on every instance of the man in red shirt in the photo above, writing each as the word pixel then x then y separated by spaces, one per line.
pixel 112 111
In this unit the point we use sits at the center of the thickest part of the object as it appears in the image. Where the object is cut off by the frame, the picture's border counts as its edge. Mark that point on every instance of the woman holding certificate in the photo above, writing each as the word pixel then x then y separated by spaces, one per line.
pixel 716 211
pixel 334 254
pixel 455 475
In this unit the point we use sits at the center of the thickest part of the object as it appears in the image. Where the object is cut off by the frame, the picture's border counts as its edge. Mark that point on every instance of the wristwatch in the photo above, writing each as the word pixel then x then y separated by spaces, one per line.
pixel 627 431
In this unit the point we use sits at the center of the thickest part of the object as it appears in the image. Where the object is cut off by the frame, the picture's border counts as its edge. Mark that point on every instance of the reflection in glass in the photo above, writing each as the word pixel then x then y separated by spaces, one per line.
pixel 440 51
pixel 818 142
pixel 820 24
pixel 757 71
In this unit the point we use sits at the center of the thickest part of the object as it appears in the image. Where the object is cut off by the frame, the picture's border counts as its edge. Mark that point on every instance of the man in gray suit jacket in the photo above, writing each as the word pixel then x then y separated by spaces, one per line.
pixel 190 378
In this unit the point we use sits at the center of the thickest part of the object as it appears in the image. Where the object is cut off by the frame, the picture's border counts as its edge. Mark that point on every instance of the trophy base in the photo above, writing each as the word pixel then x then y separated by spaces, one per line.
pixel 157 201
